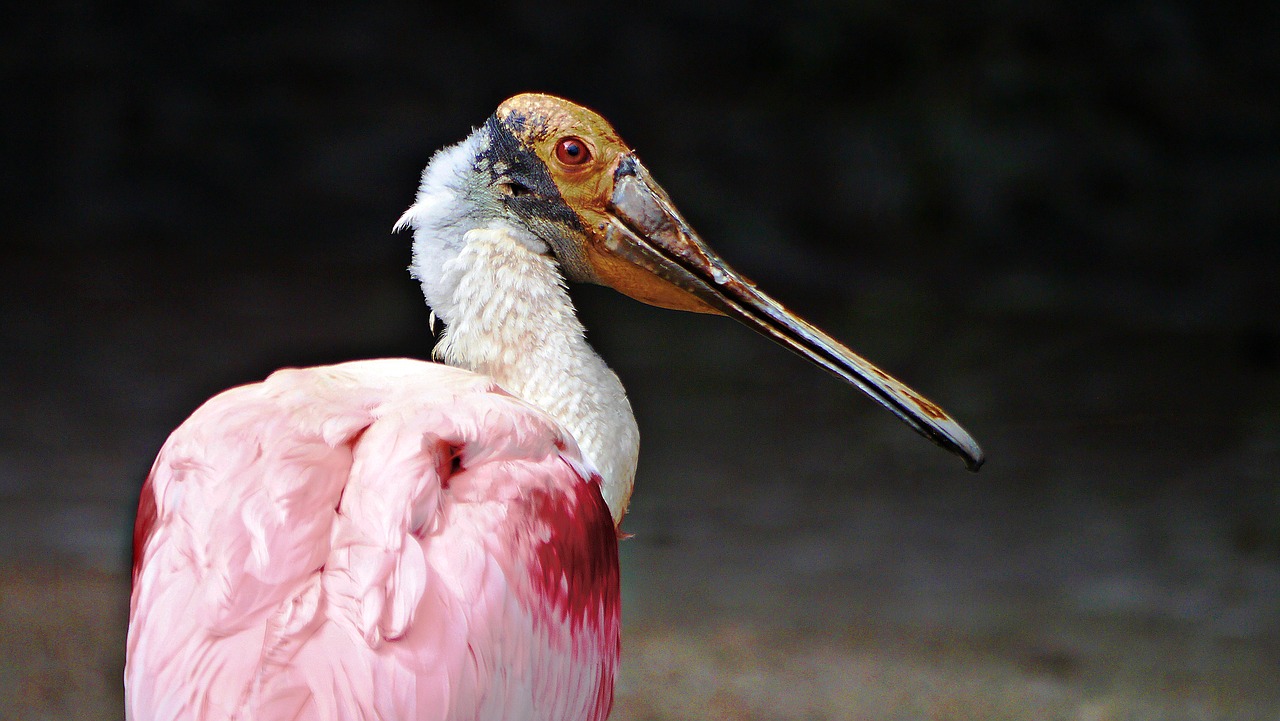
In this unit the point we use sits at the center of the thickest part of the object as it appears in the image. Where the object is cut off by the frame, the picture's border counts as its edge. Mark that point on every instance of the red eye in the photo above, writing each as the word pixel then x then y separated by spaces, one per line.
pixel 572 151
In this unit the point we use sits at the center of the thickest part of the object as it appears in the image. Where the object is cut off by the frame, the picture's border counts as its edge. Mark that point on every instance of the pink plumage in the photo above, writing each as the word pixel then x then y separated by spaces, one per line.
pixel 384 539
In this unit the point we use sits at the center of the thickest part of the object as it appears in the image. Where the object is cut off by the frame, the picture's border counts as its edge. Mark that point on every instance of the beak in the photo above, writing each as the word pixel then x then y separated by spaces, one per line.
pixel 646 230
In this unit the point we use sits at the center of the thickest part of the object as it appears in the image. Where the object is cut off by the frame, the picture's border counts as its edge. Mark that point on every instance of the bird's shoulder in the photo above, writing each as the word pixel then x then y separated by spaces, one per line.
pixel 293 527
pixel 260 478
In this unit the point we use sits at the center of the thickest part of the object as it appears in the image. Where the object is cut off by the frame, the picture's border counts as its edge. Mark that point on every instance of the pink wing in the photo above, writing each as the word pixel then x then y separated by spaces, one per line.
pixel 374 540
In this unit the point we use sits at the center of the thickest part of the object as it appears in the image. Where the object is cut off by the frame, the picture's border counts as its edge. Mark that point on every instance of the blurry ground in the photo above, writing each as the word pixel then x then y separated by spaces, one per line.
pixel 798 554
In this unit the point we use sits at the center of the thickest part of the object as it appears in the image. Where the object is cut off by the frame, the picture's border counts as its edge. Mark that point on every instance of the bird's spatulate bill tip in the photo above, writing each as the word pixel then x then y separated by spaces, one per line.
pixel 649 232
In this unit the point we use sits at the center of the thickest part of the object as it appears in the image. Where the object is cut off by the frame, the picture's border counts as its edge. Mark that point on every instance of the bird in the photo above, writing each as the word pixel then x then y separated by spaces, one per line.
pixel 406 539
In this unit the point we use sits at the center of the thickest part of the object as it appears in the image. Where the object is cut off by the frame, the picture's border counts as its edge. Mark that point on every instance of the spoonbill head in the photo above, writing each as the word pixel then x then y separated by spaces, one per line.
pixel 557 175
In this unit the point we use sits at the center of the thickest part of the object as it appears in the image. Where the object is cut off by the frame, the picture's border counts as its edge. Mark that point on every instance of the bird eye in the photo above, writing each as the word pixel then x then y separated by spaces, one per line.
pixel 572 151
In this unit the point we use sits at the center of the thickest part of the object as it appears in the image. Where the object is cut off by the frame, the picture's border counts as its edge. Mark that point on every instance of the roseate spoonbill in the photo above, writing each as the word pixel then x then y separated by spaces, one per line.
pixel 396 539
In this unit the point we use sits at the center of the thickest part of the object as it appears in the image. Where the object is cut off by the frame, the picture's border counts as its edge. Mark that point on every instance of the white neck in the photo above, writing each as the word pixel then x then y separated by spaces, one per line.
pixel 509 317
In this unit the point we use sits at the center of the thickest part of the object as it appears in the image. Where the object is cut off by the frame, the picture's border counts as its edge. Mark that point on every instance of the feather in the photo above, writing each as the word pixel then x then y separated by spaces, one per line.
pixel 379 539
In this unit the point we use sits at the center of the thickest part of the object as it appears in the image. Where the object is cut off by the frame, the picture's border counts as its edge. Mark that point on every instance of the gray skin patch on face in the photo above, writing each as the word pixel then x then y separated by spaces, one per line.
pixel 532 197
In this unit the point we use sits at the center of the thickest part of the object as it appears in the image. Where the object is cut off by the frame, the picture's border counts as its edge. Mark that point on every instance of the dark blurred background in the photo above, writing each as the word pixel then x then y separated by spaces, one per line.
pixel 1059 220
